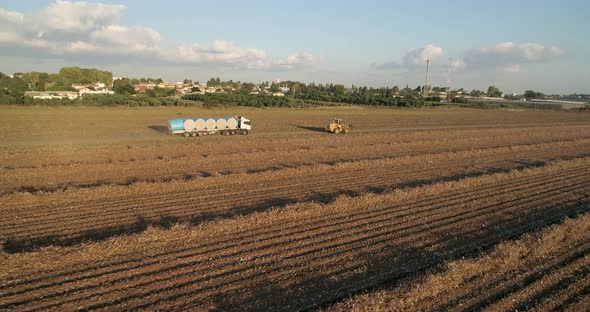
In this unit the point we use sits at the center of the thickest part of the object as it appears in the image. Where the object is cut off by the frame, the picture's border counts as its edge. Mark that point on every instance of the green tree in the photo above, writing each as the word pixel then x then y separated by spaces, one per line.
pixel 123 86
pixel 494 92
pixel 246 88
pixel 338 89
pixel 476 93
pixel 274 87
pixel 530 94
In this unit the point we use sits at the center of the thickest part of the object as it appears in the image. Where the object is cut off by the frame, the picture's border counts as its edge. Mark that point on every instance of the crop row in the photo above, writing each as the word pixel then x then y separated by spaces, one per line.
pixel 299 257
pixel 74 155
pixel 194 163
pixel 47 221
pixel 546 271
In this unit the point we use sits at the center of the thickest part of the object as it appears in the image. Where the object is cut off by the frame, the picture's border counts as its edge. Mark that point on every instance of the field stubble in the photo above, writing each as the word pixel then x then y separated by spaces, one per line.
pixel 545 271
pixel 289 217
pixel 313 252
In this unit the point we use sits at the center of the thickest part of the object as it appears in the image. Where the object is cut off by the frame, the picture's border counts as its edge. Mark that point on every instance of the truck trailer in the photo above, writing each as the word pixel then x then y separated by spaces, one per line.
pixel 203 126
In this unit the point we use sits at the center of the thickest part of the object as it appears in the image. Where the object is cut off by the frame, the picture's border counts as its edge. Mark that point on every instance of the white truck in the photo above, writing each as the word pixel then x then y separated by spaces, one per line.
pixel 203 126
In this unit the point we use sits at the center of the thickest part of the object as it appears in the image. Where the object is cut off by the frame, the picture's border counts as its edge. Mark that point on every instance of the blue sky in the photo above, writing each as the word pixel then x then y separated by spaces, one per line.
pixel 515 45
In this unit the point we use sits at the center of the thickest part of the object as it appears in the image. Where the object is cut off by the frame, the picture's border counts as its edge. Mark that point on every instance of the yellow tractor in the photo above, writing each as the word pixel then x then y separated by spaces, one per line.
pixel 339 126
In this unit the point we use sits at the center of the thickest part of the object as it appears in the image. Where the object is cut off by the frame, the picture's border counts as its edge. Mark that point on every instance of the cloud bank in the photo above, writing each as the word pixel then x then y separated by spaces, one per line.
pixel 91 30
pixel 508 57
pixel 413 58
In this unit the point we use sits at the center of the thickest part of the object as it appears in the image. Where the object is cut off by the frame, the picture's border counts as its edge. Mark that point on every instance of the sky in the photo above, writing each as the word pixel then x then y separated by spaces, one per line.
pixel 514 45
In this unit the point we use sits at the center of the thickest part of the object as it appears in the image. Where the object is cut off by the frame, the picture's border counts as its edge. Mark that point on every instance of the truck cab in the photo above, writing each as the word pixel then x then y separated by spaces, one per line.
pixel 244 125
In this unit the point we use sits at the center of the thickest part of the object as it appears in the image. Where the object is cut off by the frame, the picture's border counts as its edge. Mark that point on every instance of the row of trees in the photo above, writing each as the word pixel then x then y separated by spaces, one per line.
pixel 12 89
pixel 240 99
pixel 113 100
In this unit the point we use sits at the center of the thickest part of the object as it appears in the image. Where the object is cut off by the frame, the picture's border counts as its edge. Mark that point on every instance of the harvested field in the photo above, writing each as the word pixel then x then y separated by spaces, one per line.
pixel 35 171
pixel 121 216
pixel 546 271
pixel 299 257
pixel 103 212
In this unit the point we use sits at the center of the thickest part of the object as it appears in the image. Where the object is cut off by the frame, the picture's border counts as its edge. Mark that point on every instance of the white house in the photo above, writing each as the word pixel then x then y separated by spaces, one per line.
pixel 88 91
pixel 48 95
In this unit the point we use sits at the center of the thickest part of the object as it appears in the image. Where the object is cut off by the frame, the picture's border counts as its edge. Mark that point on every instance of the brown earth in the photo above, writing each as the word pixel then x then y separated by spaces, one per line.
pixel 546 271
pixel 299 257
pixel 101 210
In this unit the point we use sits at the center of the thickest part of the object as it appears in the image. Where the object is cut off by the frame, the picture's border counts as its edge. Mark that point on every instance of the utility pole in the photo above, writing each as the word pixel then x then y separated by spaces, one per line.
pixel 425 88
pixel 449 81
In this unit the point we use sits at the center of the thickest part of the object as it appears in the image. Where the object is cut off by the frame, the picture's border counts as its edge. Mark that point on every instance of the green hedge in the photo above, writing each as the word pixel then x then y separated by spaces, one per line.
pixel 102 100
pixel 252 100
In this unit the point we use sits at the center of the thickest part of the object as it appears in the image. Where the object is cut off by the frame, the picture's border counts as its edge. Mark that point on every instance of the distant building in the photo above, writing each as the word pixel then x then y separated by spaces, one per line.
pixel 142 87
pixel 89 91
pixel 278 94
pixel 213 89
pixel 48 95
pixel 167 85
pixel 91 86
pixel 185 89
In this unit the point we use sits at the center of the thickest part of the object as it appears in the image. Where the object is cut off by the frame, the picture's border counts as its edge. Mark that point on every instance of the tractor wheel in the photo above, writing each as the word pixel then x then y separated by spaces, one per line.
pixel 337 130
pixel 346 131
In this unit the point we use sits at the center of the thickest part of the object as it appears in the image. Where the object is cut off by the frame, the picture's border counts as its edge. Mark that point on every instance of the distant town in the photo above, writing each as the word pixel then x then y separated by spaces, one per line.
pixel 73 83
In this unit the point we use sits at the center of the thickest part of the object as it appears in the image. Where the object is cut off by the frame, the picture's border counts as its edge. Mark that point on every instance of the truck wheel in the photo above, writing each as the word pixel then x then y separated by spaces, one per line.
pixel 225 132
pixel 186 134
pixel 232 132
pixel 246 131
pixel 193 134
pixel 199 133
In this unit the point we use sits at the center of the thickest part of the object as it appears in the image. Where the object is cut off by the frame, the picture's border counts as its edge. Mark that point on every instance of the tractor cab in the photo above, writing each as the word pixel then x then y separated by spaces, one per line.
pixel 338 126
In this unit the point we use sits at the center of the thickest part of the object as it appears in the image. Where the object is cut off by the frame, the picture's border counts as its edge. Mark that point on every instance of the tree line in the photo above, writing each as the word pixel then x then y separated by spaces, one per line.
pixel 296 93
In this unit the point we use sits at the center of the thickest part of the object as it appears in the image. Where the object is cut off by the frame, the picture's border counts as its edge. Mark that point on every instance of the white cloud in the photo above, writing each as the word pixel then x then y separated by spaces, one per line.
pixel 9 23
pixel 509 55
pixel 78 16
pixel 420 56
pixel 455 64
pixel 84 29
pixel 299 59
pixel 228 53
pixel 221 52
pixel 512 68
pixel 10 18
pixel 413 58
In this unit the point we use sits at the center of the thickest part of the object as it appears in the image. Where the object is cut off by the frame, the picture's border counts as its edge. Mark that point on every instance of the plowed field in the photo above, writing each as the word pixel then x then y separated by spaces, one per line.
pixel 287 218
pixel 547 271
